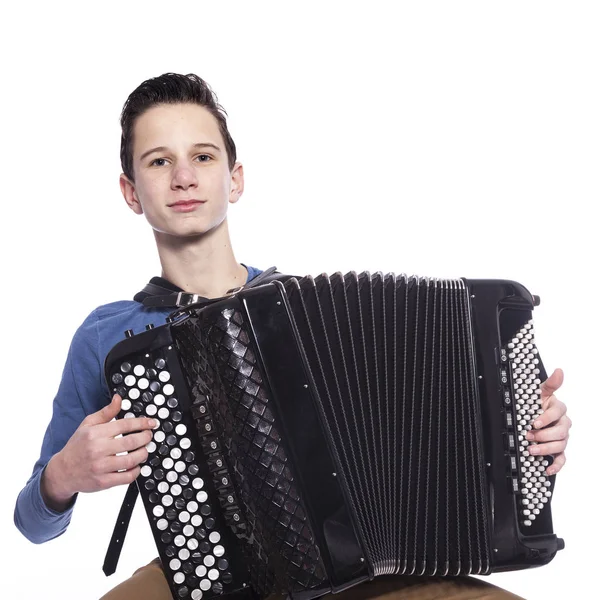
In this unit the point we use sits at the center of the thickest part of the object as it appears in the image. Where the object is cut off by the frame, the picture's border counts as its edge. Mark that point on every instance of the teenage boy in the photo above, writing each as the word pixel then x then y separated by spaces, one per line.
pixel 180 171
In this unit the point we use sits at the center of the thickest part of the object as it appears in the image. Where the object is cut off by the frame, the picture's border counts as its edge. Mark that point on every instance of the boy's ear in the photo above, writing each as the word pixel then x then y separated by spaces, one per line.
pixel 237 183
pixel 128 191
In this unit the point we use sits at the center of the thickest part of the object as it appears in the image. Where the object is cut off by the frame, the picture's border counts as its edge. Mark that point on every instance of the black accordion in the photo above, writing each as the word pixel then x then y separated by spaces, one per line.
pixel 317 432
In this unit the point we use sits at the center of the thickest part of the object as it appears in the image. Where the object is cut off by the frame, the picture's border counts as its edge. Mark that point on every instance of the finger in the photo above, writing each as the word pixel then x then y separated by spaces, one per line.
pixel 548 448
pixel 125 426
pixel 557 464
pixel 130 442
pixel 557 432
pixel 552 383
pixel 122 478
pixel 125 462
pixel 552 414
pixel 106 414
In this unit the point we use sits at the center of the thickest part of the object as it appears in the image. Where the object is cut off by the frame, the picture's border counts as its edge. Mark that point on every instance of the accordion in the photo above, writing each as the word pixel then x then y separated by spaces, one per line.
pixel 314 433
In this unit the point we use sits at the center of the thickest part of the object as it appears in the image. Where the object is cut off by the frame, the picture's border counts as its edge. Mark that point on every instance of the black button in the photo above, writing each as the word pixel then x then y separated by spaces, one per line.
pixel 204 547
pixel 222 563
pixel 217 588
pixel 172 402
pixel 176 527
pixel 166 537
pixel 159 474
pixel 154 497
pixel 171 514
pixel 150 484
pixel 117 378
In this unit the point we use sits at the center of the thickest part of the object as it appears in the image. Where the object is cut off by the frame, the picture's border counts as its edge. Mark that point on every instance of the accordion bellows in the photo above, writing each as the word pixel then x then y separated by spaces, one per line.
pixel 318 432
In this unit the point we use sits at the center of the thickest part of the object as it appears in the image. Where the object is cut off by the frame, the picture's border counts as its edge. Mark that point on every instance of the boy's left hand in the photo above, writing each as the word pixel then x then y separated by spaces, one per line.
pixel 553 439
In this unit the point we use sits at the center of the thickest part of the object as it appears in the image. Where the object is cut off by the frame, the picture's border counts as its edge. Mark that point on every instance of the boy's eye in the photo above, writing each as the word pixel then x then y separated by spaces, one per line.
pixel 203 156
pixel 156 161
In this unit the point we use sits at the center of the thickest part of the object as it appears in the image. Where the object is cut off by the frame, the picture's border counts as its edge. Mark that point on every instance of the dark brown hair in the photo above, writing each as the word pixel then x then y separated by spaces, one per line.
pixel 170 88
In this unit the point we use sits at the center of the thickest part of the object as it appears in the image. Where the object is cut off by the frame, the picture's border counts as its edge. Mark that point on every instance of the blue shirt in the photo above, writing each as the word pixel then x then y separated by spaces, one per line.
pixel 82 391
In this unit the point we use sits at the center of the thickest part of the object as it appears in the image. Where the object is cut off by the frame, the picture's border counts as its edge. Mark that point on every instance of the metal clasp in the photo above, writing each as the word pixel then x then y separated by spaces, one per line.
pixel 189 299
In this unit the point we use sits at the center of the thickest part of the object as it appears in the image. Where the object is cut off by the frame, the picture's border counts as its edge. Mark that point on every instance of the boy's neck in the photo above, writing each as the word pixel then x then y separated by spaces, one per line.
pixel 203 265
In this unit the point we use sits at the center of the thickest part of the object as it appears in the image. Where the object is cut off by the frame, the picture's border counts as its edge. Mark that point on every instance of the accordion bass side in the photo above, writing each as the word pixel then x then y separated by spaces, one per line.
pixel 317 432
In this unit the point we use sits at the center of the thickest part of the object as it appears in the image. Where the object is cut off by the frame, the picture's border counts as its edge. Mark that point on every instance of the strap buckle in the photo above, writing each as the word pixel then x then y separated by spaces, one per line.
pixel 185 299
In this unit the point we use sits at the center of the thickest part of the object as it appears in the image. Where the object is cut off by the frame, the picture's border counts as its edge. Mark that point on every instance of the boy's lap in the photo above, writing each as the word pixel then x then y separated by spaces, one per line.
pixel 149 583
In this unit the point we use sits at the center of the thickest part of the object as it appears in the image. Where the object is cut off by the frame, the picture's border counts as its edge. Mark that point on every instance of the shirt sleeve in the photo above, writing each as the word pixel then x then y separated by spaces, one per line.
pixel 80 393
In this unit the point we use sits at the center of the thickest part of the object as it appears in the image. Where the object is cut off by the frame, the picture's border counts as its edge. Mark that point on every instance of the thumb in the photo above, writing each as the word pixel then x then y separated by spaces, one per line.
pixel 106 414
pixel 553 383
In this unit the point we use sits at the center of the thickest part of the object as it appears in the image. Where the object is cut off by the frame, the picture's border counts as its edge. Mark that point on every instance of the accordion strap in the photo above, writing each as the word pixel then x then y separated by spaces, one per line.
pixel 118 537
pixel 163 297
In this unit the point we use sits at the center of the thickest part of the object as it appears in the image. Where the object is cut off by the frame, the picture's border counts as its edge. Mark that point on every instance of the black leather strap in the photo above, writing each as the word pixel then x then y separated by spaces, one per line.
pixel 162 297
pixel 118 537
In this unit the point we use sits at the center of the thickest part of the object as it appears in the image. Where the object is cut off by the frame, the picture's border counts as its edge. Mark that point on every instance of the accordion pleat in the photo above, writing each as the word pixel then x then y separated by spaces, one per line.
pixel 221 367
pixel 391 359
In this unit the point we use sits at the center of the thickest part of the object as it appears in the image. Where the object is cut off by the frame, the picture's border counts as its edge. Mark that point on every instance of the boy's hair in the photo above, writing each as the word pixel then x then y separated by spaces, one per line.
pixel 170 88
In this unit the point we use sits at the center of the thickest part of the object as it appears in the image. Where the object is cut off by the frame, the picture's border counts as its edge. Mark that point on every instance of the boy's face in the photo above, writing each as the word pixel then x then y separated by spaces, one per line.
pixel 182 180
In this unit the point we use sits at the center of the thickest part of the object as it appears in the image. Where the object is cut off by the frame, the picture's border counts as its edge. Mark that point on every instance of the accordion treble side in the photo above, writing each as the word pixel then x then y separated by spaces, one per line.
pixel 320 432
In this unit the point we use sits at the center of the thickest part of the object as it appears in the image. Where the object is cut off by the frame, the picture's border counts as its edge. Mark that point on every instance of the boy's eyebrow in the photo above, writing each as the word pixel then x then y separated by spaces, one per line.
pixel 164 148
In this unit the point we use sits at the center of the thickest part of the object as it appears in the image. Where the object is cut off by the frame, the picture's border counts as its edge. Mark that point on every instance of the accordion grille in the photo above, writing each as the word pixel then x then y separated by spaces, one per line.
pixel 221 366
pixel 392 365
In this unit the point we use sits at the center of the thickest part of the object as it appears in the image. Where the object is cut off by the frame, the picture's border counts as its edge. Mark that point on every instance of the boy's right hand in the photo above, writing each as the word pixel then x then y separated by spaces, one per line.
pixel 89 461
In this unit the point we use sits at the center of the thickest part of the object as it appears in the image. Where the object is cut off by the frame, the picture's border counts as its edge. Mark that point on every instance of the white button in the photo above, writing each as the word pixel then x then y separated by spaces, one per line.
pixel 209 560
pixel 201 571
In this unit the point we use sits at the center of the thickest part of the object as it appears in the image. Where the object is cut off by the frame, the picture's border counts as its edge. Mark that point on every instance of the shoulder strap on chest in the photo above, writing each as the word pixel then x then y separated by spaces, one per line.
pixel 161 297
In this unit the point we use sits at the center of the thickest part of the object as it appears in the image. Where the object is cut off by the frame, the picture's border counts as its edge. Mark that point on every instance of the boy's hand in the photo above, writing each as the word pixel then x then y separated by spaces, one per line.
pixel 89 461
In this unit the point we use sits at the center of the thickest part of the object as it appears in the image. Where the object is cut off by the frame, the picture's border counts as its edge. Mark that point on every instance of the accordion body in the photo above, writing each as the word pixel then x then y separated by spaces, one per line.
pixel 315 433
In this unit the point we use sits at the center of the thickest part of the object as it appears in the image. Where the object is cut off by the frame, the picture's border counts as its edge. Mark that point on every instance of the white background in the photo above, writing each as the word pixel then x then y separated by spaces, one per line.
pixel 438 138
